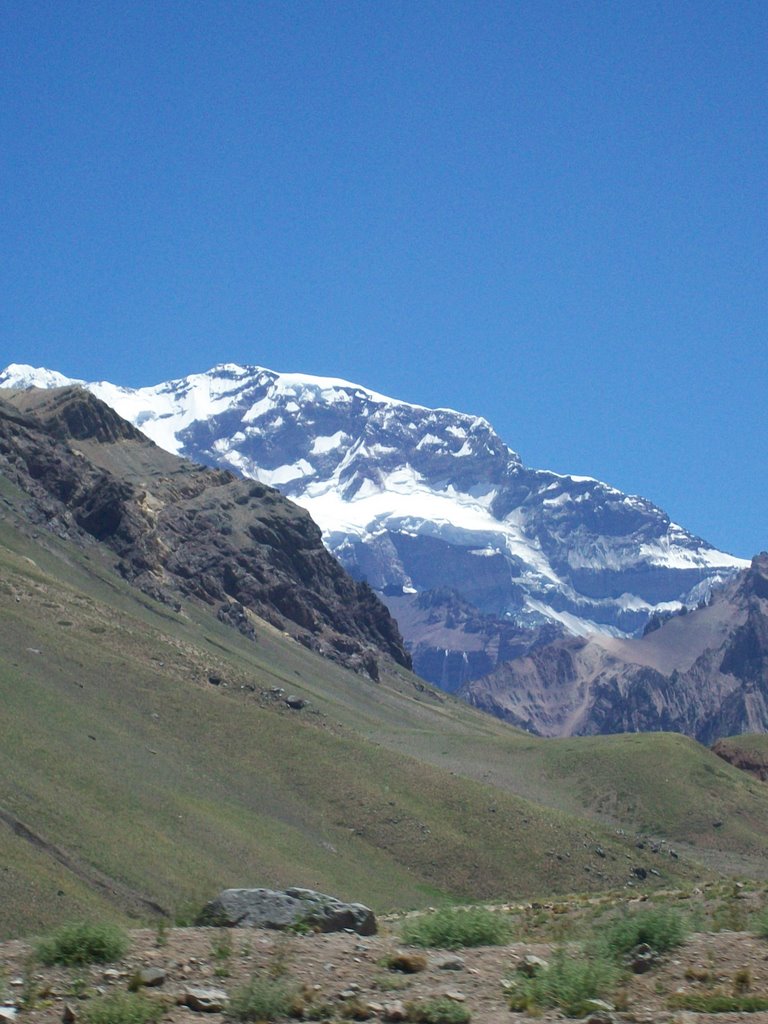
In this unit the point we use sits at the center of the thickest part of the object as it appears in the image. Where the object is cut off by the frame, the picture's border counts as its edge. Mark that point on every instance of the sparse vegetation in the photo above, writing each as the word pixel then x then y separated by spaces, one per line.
pixel 121 1008
pixel 760 924
pixel 262 999
pixel 438 1011
pixel 661 928
pixel 452 929
pixel 717 1002
pixel 83 943
pixel 568 983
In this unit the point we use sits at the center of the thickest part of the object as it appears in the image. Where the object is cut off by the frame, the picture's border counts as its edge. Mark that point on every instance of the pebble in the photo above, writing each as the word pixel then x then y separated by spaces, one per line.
pixel 449 963
pixel 395 1012
pixel 457 997
pixel 204 1000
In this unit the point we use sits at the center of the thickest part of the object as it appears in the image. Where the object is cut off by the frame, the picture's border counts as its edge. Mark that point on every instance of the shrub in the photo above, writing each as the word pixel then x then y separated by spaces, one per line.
pixel 261 999
pixel 121 1008
pixel 83 943
pixel 405 963
pixel 451 929
pixel 438 1011
pixel 567 984
pixel 661 929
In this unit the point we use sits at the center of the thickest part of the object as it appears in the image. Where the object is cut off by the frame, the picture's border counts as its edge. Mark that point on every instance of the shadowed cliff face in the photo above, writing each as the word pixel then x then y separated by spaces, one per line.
pixel 181 531
pixel 704 674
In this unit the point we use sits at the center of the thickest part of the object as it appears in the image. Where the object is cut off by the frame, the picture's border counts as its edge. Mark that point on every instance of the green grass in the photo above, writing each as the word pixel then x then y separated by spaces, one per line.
pixel 121 1008
pixel 567 984
pixel 717 1002
pixel 83 943
pixel 661 928
pixel 431 800
pixel 759 924
pixel 440 1010
pixel 261 999
pixel 452 929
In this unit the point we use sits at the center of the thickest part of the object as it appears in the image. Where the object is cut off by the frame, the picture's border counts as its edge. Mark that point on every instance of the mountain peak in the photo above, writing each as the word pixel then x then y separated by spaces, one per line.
pixel 412 499
pixel 21 375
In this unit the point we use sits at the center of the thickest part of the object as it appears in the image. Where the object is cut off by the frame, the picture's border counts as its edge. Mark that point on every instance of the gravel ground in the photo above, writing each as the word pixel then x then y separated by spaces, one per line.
pixel 342 970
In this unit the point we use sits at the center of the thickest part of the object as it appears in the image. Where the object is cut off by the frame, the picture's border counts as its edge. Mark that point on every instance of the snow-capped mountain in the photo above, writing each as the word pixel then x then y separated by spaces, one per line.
pixel 420 500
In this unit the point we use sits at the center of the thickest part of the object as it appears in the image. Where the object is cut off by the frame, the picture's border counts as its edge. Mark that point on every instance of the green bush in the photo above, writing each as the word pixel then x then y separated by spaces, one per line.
pixel 451 929
pixel 83 943
pixel 121 1008
pixel 567 984
pixel 661 929
pixel 438 1011
pixel 261 999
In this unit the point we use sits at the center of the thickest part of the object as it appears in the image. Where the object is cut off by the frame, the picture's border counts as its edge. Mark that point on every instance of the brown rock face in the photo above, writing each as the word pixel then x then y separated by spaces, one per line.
pixel 744 755
pixel 181 531
pixel 704 673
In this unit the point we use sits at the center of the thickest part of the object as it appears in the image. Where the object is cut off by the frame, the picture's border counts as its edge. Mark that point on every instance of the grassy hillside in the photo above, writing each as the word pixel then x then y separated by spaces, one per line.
pixel 128 779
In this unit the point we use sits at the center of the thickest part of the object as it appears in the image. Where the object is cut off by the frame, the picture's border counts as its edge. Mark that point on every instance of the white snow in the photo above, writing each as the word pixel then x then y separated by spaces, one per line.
pixel 21 375
pixel 360 495
pixel 285 474
pixel 327 443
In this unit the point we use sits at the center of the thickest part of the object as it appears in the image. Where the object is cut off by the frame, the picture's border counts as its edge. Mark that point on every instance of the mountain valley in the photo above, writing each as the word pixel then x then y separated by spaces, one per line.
pixel 155 749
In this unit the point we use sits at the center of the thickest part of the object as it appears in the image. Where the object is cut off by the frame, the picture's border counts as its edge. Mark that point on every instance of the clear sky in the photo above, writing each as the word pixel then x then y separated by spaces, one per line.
pixel 552 214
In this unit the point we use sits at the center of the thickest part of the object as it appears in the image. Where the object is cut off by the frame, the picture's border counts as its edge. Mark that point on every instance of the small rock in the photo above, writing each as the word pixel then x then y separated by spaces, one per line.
pixel 111 974
pixel 375 1007
pixel 297 703
pixel 395 1012
pixel 68 1015
pixel 598 1005
pixel 532 965
pixel 642 958
pixel 151 977
pixel 449 963
pixel 204 1000
pixel 457 997
pixel 347 993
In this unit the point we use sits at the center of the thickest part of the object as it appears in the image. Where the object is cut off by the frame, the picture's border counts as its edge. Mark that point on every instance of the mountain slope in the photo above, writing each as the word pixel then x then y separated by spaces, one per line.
pixel 180 530
pixel 704 673
pixel 149 757
pixel 416 500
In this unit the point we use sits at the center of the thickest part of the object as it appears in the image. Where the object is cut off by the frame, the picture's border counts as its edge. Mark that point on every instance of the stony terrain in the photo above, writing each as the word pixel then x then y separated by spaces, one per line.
pixel 345 976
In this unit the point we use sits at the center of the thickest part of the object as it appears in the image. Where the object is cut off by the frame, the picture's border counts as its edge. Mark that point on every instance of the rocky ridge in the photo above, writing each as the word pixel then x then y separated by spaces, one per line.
pixel 180 531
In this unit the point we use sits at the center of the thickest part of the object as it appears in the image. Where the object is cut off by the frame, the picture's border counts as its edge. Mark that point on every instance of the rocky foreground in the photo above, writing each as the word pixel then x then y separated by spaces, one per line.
pixel 193 972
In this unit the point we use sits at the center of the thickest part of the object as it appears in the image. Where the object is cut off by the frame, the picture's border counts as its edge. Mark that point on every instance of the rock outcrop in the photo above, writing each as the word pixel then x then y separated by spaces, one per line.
pixel 293 908
pixel 704 673
pixel 180 531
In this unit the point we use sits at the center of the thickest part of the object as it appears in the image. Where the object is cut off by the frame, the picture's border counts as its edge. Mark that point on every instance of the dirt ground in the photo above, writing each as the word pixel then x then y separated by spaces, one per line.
pixel 343 970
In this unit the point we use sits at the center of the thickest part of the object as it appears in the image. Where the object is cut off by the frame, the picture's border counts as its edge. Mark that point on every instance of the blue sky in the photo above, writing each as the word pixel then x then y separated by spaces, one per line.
pixel 549 214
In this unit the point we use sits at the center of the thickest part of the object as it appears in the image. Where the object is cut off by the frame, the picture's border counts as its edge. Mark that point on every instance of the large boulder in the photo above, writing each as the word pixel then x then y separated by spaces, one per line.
pixel 291 908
